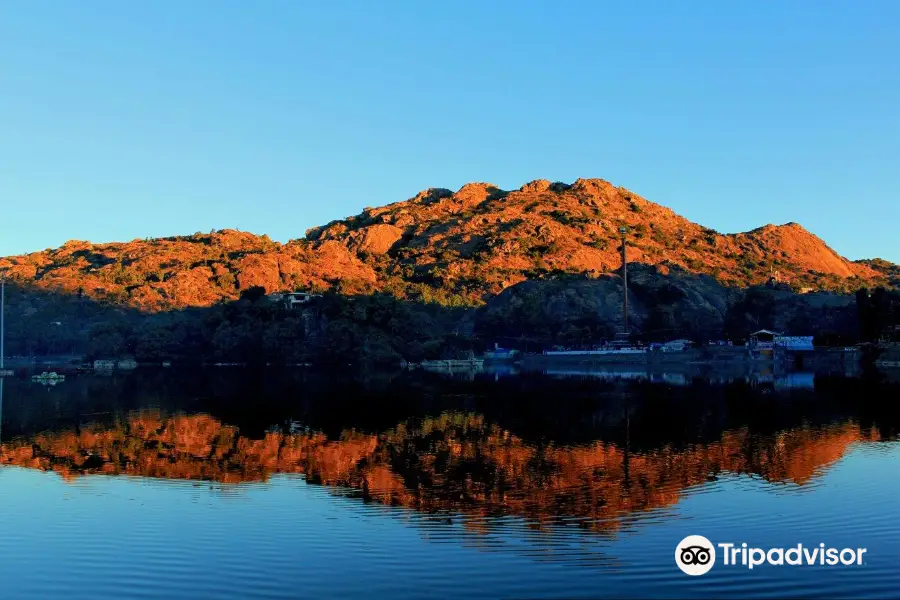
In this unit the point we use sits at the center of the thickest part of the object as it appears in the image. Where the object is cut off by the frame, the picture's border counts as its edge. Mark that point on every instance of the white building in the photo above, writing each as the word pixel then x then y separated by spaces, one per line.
pixel 292 300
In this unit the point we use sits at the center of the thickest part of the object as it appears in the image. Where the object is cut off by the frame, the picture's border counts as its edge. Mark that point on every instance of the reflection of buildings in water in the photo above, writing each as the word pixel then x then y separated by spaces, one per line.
pixel 787 381
pixel 599 374
pixel 761 378
pixel 498 370
pixel 672 379
pixel 805 381
pixel 455 462
pixel 679 379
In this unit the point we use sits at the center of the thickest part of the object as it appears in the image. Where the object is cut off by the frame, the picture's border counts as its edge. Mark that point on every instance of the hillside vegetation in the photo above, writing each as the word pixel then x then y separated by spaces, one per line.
pixel 456 249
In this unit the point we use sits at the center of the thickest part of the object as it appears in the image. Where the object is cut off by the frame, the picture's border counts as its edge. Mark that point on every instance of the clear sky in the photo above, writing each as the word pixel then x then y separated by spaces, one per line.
pixel 134 119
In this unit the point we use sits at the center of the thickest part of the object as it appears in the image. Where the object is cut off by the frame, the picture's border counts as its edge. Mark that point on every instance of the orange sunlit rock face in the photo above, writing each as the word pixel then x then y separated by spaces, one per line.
pixel 454 462
pixel 472 243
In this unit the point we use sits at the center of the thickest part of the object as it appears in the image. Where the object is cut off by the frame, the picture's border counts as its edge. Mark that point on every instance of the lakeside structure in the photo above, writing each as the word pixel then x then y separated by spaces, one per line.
pixel 710 355
pixel 763 346
pixel 765 339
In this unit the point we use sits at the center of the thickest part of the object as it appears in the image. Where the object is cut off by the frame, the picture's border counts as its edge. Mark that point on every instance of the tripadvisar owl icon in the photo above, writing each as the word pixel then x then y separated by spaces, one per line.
pixel 695 555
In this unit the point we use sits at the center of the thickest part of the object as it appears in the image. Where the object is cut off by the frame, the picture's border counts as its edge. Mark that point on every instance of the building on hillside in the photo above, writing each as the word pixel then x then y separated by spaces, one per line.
pixel 292 300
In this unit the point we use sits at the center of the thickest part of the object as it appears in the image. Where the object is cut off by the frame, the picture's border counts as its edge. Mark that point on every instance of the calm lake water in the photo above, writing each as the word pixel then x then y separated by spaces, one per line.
pixel 243 484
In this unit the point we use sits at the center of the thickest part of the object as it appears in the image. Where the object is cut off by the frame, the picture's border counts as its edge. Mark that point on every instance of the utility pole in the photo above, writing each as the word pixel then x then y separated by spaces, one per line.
pixel 624 231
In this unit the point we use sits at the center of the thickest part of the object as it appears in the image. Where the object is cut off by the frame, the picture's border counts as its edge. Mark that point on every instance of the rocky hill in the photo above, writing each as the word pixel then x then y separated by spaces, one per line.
pixel 480 240
pixel 178 272
pixel 457 249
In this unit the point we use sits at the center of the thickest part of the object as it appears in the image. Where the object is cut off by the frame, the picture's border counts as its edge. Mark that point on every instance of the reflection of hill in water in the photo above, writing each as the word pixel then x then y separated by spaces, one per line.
pixel 455 462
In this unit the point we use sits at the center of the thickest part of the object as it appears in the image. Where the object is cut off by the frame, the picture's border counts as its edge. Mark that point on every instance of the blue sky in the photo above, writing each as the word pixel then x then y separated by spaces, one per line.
pixel 121 120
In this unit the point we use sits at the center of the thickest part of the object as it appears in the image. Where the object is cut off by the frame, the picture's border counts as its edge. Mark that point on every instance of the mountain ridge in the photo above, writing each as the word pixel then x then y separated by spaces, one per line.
pixel 456 248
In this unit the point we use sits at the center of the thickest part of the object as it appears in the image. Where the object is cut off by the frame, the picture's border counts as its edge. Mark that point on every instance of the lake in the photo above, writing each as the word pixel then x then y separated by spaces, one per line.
pixel 273 484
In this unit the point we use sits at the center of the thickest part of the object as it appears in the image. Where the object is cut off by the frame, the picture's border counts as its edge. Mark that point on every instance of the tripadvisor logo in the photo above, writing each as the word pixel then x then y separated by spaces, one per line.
pixel 696 555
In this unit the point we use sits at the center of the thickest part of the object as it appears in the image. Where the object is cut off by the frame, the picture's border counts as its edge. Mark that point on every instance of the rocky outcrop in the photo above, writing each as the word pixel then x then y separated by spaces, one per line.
pixel 376 239
pixel 804 250
pixel 480 240
pixel 459 248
